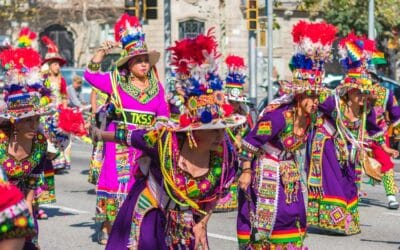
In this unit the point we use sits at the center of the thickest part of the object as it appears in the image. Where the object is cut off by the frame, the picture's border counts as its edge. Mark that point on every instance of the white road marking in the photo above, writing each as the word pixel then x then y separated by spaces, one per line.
pixel 66 209
pixel 222 237
pixel 77 211
pixel 394 214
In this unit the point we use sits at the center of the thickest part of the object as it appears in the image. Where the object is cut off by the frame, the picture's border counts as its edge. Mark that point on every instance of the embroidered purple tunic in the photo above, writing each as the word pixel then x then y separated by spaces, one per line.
pixel 272 211
pixel 332 176
pixel 149 218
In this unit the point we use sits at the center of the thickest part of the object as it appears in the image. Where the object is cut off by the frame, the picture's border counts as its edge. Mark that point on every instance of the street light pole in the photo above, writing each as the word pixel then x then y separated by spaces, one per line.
pixel 371 25
pixel 371 20
pixel 252 68
pixel 167 36
pixel 268 6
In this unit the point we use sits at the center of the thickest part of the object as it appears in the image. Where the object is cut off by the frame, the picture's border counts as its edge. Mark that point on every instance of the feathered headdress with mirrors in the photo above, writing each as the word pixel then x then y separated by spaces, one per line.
pixel 197 96
pixel 24 92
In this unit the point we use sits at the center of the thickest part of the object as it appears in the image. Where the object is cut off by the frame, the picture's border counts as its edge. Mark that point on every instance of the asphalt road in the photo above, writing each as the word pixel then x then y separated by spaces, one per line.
pixel 70 225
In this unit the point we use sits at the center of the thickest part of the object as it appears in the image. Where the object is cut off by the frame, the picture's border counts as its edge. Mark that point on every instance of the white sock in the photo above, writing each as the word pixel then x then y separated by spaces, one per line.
pixel 391 198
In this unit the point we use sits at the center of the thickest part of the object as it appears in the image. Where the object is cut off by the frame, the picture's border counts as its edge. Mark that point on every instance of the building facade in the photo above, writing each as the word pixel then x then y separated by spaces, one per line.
pixel 80 26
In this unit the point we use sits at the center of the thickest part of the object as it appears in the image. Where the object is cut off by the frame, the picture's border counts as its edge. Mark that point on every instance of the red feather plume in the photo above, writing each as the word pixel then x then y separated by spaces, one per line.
pixel 234 62
pixel 122 23
pixel 181 54
pixel 351 37
pixel 7 57
pixel 51 46
pixel 28 33
pixel 324 33
pixel 204 43
pixel 299 30
pixel 369 44
pixel 19 58
pixel 190 51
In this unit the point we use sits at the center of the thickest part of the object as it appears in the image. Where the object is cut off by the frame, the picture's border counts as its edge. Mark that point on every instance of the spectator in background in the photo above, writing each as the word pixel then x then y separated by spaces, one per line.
pixel 74 93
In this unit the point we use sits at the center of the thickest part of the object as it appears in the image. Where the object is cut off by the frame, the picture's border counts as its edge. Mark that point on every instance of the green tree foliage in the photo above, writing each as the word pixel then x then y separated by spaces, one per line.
pixel 352 15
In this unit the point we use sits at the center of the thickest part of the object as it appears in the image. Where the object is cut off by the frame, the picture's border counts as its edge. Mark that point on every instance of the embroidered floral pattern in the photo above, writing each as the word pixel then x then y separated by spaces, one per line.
pixel 142 96
pixel 21 169
pixel 288 139
pixel 16 222
pixel 334 214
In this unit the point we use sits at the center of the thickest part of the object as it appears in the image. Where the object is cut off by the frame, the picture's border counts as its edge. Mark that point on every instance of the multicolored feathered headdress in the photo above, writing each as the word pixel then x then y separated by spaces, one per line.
pixel 128 31
pixel 52 52
pixel 24 93
pixel 358 54
pixel 235 79
pixel 197 95
pixel 313 44
pixel 25 38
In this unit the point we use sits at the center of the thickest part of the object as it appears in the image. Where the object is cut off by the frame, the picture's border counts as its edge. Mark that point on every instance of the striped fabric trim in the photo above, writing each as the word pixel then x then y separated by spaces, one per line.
pixel 336 200
pixel 286 236
pixel 243 236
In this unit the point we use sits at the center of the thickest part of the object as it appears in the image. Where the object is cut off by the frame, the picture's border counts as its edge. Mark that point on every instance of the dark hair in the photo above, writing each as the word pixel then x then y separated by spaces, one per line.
pixel 6 127
pixel 181 137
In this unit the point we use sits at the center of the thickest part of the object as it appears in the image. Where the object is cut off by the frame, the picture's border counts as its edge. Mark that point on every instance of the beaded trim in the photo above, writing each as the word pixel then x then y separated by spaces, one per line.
pixel 94 67
pixel 267 186
pixel 129 138
pixel 315 173
pixel 249 147
pixel 141 96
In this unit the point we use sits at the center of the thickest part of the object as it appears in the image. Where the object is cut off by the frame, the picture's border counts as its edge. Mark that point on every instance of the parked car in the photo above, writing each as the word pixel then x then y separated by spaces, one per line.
pixel 332 81
pixel 69 72
pixel 275 93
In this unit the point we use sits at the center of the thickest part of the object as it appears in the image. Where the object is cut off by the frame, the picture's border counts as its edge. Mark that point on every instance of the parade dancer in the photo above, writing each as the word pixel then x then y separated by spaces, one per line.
pixel 99 104
pixel 339 146
pixel 234 89
pixel 388 114
pixel 272 212
pixel 16 222
pixel 56 82
pixel 22 146
pixel 188 166
pixel 138 100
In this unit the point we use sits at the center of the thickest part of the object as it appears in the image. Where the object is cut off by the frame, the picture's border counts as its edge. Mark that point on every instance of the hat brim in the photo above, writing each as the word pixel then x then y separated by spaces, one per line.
pixel 154 56
pixel 291 88
pixel 9 116
pixel 60 60
pixel 343 88
pixel 220 123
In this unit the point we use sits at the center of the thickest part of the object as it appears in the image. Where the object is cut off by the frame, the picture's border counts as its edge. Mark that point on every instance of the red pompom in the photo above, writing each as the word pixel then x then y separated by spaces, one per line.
pixel 184 120
pixel 71 121
pixel 228 109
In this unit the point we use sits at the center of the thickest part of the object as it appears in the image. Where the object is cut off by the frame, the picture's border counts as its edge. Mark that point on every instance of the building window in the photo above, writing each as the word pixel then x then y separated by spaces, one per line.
pixel 190 28
pixel 64 40
pixel 143 9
